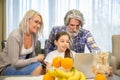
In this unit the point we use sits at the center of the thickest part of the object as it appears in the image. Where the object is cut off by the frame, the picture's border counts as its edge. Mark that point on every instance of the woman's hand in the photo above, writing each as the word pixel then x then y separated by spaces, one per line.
pixel 40 57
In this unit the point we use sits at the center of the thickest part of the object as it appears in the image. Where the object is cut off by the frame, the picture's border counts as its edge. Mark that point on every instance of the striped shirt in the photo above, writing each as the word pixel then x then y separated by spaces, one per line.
pixel 84 37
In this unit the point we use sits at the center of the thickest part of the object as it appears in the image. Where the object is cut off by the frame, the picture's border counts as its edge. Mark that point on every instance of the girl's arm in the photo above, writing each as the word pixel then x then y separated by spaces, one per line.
pixel 48 66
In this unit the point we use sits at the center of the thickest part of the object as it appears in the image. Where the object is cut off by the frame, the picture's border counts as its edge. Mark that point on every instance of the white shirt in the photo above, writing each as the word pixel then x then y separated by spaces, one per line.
pixel 27 51
pixel 54 54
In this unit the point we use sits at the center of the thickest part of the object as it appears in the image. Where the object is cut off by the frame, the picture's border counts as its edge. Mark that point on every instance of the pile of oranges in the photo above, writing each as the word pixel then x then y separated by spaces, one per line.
pixel 66 63
pixel 47 76
pixel 100 77
pixel 56 61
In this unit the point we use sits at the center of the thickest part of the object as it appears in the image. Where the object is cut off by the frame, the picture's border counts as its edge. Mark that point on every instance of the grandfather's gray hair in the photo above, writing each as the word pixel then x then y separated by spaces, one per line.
pixel 24 24
pixel 73 14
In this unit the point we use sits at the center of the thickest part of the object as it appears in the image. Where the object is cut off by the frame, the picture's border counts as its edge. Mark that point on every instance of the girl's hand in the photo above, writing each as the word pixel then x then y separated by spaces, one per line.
pixel 40 57
pixel 48 66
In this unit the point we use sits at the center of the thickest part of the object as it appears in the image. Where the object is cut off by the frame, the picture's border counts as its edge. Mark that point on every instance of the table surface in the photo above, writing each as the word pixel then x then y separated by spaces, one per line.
pixel 41 78
pixel 24 78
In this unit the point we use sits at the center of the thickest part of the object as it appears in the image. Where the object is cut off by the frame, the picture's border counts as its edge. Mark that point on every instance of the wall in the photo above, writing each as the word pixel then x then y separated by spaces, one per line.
pixel 2 20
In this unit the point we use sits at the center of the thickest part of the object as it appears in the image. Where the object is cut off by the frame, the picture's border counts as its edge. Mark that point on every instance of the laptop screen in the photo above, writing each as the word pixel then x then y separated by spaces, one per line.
pixel 83 62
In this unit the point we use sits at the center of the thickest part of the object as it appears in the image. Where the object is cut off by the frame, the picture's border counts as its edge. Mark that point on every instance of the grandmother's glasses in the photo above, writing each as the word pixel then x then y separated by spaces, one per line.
pixel 36 21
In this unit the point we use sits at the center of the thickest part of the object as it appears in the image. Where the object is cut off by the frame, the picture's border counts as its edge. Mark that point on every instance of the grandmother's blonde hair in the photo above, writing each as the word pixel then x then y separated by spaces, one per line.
pixel 24 24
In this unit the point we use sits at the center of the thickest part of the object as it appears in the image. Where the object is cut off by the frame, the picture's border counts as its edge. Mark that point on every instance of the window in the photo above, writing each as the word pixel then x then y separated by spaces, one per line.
pixel 102 17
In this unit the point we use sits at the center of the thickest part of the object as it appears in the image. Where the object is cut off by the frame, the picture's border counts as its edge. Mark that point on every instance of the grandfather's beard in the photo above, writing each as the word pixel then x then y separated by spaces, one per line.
pixel 72 34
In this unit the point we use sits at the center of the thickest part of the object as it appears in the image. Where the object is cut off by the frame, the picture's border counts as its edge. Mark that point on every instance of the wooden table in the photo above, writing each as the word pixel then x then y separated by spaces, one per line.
pixel 24 78
pixel 33 78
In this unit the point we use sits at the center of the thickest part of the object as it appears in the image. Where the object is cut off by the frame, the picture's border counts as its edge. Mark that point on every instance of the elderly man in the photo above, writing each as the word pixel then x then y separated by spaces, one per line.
pixel 73 24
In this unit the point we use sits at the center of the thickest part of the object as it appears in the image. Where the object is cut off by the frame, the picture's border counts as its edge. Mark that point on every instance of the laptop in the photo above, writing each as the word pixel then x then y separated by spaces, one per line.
pixel 83 62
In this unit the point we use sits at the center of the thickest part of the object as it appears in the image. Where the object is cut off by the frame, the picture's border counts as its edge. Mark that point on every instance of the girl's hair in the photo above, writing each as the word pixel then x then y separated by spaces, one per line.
pixel 24 24
pixel 67 52
pixel 73 14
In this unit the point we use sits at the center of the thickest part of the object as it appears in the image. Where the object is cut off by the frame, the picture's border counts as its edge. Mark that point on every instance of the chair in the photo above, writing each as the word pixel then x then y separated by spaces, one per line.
pixel 115 58
pixel 3 44
pixel 38 48
pixel 43 51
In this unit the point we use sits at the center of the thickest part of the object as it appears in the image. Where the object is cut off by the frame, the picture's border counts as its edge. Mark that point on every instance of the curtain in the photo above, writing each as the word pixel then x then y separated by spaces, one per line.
pixel 101 16
pixel 105 21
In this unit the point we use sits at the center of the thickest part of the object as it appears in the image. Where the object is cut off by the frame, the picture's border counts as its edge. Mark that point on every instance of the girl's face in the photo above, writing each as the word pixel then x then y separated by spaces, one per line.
pixel 62 43
pixel 34 23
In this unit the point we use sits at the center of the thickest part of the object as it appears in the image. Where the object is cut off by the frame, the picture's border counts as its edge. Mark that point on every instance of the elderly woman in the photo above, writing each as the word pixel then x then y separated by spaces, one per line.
pixel 18 57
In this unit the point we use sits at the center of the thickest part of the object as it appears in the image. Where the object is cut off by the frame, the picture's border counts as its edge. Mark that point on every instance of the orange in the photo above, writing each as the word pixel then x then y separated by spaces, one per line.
pixel 100 77
pixel 47 76
pixel 67 63
pixel 56 61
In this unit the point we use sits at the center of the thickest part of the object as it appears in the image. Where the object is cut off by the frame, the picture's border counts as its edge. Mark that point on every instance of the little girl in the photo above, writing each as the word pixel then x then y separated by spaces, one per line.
pixel 62 41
